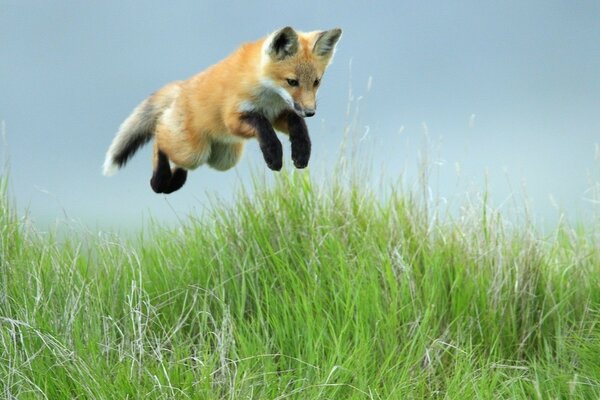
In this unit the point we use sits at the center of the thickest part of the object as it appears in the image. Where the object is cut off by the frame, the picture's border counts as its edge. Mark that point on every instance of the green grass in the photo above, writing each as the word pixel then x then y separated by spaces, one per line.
pixel 303 291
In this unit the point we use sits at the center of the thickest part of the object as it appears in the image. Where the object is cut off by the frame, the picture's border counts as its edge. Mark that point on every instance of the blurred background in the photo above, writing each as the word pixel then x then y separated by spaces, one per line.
pixel 504 95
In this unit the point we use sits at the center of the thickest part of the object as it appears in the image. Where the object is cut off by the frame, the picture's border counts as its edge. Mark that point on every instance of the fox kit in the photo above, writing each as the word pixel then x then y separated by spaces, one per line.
pixel 265 85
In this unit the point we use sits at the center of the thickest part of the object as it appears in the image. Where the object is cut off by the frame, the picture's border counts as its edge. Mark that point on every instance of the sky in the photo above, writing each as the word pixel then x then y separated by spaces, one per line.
pixel 507 94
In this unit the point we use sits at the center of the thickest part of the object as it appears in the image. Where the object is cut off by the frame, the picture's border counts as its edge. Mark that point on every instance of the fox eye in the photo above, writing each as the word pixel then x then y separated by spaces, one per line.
pixel 317 81
pixel 292 82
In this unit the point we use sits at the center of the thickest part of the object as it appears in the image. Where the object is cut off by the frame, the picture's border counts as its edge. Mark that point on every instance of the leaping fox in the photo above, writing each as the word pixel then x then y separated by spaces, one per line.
pixel 268 84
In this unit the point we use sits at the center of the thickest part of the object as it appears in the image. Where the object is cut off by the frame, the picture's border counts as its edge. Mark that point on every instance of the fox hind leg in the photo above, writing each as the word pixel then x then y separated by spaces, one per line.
pixel 177 180
pixel 165 180
pixel 161 176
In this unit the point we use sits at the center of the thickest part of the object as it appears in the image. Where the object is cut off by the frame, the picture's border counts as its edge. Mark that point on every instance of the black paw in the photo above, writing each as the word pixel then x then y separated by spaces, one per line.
pixel 177 180
pixel 301 153
pixel 273 155
pixel 160 181
pixel 167 181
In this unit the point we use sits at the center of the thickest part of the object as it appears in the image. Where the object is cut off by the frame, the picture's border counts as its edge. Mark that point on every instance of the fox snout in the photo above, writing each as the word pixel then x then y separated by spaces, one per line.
pixel 304 111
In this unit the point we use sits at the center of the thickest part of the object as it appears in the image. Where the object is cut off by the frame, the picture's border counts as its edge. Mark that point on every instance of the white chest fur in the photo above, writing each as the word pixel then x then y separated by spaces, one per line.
pixel 269 99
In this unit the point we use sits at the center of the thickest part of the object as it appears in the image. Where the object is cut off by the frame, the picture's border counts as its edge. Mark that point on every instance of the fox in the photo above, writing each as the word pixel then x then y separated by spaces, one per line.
pixel 264 86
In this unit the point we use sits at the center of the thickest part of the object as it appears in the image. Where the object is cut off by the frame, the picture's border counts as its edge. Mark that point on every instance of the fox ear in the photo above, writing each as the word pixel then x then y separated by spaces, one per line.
pixel 284 43
pixel 326 41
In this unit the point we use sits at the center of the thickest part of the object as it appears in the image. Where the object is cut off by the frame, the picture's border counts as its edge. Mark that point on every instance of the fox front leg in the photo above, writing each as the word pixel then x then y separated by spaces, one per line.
pixel 292 124
pixel 299 139
pixel 267 139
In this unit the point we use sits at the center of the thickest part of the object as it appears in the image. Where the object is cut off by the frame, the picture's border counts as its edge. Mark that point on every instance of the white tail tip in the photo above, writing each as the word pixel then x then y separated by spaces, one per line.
pixel 109 168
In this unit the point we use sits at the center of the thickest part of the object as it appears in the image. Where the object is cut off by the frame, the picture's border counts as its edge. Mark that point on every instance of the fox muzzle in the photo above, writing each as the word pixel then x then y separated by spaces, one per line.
pixel 303 112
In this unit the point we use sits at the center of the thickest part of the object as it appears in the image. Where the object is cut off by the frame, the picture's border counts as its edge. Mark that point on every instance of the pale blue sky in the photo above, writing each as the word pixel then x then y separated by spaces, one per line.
pixel 529 73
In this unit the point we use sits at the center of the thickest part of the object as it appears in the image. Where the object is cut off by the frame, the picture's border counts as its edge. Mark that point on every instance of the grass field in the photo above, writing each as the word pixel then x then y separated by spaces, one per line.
pixel 303 291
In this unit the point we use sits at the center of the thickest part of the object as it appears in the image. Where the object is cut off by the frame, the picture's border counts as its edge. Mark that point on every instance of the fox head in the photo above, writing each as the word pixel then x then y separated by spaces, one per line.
pixel 294 62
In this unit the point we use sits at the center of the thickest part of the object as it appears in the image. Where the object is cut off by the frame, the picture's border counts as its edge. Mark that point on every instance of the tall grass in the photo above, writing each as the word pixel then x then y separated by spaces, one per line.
pixel 303 291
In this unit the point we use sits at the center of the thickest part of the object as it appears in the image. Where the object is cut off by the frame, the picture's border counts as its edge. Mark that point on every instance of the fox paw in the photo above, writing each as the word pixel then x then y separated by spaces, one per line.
pixel 273 155
pixel 301 153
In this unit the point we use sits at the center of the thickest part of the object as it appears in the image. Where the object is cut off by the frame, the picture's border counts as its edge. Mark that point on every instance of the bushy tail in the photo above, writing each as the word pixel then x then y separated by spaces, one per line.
pixel 134 132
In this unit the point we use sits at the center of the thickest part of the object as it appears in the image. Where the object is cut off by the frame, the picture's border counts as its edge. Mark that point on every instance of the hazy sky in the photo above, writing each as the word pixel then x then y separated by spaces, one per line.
pixel 511 88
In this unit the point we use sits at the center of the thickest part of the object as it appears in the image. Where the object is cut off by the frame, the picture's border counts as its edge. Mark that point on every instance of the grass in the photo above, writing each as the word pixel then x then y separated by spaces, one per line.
pixel 303 291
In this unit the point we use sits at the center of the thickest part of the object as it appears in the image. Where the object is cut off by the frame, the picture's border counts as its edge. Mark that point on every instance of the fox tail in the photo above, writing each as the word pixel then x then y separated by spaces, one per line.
pixel 134 132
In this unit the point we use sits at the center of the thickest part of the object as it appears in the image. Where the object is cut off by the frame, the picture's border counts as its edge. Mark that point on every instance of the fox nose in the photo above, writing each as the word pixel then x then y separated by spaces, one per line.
pixel 309 113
